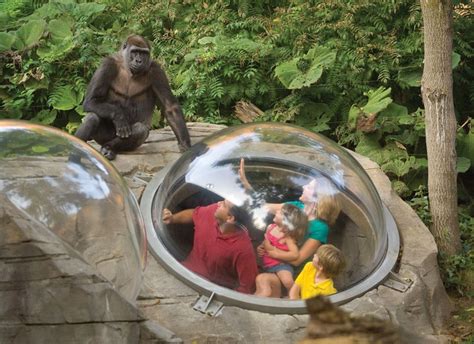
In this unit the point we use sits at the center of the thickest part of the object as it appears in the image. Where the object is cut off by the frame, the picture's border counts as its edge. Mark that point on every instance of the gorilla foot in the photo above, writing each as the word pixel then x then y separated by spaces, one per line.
pixel 108 152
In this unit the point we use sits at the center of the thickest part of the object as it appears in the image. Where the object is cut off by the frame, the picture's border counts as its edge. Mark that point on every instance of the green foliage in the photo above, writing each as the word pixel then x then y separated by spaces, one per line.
pixel 65 98
pixel 465 146
pixel 378 100
pixel 46 58
pixel 29 34
pixel 219 71
pixel 305 70
pixel 6 41
pixel 457 269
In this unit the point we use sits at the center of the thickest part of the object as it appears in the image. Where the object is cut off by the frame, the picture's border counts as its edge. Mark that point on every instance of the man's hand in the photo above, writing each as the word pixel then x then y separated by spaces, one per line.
pixel 167 216
pixel 260 250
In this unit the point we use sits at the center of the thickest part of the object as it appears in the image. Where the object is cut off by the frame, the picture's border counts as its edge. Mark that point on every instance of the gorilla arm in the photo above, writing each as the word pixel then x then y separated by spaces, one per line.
pixel 169 106
pixel 97 98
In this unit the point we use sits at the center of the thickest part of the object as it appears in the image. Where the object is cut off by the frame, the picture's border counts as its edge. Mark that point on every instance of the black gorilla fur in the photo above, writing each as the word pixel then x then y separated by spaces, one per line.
pixel 121 97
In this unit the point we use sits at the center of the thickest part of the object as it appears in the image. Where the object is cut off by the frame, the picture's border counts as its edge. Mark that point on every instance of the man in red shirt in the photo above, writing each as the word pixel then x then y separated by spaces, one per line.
pixel 222 251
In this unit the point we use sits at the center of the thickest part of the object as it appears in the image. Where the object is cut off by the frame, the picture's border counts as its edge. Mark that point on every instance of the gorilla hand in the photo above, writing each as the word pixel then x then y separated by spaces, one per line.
pixel 122 127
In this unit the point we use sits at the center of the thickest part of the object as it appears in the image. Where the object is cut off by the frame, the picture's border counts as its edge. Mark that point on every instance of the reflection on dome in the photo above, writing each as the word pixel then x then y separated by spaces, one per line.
pixel 279 160
pixel 62 184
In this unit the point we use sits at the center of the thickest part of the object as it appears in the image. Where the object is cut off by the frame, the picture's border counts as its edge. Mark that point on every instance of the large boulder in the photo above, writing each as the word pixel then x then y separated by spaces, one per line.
pixel 51 295
pixel 424 306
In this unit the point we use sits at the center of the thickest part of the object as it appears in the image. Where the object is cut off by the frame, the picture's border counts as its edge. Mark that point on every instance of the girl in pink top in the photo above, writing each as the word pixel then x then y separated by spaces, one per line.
pixel 288 227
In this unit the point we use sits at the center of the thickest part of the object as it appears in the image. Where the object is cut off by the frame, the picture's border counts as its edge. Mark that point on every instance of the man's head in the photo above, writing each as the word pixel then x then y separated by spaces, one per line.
pixel 228 213
pixel 329 260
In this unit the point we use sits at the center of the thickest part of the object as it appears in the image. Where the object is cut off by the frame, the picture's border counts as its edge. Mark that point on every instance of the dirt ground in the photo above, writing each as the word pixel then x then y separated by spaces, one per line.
pixel 461 325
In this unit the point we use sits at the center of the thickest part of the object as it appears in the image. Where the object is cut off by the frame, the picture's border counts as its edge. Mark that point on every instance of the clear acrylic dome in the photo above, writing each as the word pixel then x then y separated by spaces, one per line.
pixel 279 160
pixel 64 185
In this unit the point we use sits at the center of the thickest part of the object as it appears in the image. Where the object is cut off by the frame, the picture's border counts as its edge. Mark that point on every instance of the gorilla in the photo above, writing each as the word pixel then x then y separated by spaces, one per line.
pixel 121 97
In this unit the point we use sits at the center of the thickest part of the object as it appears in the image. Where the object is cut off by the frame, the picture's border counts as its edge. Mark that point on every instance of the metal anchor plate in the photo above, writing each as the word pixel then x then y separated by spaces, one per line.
pixel 207 305
pixel 396 282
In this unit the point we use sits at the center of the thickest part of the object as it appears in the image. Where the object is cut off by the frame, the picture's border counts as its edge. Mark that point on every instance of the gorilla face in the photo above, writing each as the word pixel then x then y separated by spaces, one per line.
pixel 138 59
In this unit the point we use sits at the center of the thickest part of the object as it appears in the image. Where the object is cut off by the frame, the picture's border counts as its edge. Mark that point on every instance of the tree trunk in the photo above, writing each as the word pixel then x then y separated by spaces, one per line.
pixel 437 92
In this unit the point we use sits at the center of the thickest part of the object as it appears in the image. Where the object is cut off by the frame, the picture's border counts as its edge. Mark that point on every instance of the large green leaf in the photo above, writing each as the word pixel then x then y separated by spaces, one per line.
pixel 4 19
pixel 456 58
pixel 322 56
pixel 38 149
pixel 410 77
pixel 400 167
pixel 306 70
pixel 465 145
pixel 207 40
pixel 45 117
pixel 462 164
pixel 65 98
pixel 51 9
pixel 378 100
pixel 85 10
pixel 51 53
pixel 243 44
pixel 6 41
pixel 30 33
pixel 60 30
pixel 287 72
pixel 369 146
pixel 401 188
pixel 354 113
pixel 395 110
pixel 315 116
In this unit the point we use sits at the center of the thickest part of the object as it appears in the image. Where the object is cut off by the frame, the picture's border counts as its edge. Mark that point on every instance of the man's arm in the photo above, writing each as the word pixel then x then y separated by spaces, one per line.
pixel 183 217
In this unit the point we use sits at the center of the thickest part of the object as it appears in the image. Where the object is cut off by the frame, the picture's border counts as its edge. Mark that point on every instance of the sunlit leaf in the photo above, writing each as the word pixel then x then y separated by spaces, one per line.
pixel 31 32
pixel 293 76
pixel 39 149
pixel 465 145
pixel 60 30
pixel 395 110
pixel 462 164
pixel 45 117
pixel 87 9
pixel 207 40
pixel 6 41
pixel 51 53
pixel 379 99
pixel 455 59
pixel 410 77
pixel 64 98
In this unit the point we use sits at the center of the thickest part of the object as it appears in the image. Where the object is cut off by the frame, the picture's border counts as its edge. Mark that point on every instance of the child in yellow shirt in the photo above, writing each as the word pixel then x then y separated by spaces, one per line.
pixel 316 276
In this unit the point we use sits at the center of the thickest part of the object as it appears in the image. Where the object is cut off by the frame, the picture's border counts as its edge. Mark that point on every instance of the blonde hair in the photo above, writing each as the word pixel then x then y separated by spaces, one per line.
pixel 328 208
pixel 331 260
pixel 295 220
